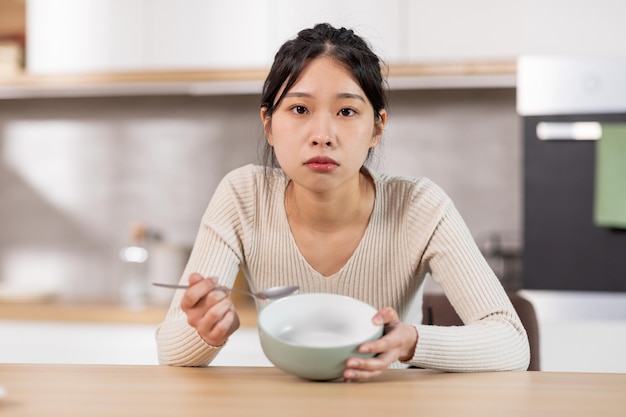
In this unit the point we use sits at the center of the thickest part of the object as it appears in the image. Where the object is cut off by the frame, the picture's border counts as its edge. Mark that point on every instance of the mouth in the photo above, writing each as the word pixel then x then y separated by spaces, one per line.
pixel 321 164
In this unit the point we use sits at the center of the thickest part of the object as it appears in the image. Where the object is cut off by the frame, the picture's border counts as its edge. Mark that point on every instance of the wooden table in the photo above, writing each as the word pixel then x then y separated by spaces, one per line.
pixel 117 391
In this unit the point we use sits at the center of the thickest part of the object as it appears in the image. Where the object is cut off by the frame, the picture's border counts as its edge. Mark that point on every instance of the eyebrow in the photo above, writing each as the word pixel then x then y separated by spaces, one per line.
pixel 340 95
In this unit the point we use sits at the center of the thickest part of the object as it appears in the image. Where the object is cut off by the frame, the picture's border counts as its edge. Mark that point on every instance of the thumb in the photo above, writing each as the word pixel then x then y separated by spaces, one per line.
pixel 385 315
pixel 195 278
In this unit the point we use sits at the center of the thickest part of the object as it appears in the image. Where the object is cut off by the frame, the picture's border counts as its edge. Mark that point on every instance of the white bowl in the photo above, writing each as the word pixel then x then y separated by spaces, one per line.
pixel 312 335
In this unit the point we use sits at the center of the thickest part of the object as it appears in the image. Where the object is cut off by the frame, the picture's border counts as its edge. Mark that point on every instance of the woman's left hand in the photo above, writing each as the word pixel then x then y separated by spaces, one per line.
pixel 398 343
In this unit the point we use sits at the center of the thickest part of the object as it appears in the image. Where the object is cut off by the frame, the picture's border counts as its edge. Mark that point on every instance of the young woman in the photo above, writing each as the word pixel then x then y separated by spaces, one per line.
pixel 315 216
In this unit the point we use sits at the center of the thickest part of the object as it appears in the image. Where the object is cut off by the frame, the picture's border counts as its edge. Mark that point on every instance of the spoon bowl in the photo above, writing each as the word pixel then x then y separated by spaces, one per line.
pixel 271 293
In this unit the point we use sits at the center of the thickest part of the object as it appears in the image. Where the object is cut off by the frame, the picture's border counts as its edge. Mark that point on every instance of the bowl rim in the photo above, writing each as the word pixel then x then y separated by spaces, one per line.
pixel 375 334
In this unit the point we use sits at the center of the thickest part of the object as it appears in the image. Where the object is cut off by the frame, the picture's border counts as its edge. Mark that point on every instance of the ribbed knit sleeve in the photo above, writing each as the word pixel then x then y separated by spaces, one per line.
pixel 493 337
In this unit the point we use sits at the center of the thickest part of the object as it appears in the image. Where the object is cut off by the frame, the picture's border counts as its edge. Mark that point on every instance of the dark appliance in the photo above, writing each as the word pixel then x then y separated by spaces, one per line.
pixel 564 103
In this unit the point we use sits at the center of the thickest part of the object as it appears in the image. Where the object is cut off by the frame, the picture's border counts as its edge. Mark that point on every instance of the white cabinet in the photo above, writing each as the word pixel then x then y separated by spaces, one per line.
pixel 473 30
pixel 86 36
pixel 201 34
pixel 73 36
pixel 469 30
pixel 377 21
pixel 574 28
pixel 83 36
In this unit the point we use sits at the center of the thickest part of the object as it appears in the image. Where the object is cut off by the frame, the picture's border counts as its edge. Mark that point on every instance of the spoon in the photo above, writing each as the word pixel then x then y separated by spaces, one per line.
pixel 266 294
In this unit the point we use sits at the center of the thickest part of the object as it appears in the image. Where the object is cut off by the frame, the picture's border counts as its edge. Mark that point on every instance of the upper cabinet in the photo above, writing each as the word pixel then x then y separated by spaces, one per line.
pixel 100 36
pixel 471 30
pixel 581 28
pixel 111 47
pixel 377 21
pixel 103 36
pixel 201 34
pixel 79 36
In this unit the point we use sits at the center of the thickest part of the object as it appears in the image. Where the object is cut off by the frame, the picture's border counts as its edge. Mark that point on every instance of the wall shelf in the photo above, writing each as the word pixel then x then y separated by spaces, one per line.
pixel 501 74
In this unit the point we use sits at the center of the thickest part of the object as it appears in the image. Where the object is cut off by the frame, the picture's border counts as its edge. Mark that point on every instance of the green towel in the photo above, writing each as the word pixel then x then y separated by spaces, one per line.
pixel 610 181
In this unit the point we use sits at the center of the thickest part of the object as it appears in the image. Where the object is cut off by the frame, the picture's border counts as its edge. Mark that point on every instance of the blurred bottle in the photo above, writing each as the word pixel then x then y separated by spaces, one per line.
pixel 134 289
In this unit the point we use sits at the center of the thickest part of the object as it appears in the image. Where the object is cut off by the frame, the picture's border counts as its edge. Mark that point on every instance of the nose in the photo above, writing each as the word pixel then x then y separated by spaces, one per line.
pixel 322 131
pixel 321 142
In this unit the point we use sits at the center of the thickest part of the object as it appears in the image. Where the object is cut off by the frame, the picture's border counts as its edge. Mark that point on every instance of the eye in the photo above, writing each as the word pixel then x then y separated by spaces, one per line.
pixel 297 109
pixel 347 112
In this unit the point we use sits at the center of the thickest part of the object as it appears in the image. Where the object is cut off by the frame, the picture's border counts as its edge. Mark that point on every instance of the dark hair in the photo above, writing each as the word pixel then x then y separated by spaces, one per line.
pixel 322 40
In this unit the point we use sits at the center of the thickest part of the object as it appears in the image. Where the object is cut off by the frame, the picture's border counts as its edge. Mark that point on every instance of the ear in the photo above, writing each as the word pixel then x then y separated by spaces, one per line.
pixel 379 127
pixel 267 125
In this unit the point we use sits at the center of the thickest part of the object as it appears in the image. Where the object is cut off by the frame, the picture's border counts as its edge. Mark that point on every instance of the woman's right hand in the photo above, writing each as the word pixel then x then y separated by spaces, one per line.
pixel 211 313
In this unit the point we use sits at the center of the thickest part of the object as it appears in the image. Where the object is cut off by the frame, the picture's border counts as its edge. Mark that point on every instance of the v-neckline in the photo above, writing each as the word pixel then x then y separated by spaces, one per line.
pixel 358 249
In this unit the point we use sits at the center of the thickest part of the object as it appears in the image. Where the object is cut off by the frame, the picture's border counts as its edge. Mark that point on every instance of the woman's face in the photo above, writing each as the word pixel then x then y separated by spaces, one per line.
pixel 324 127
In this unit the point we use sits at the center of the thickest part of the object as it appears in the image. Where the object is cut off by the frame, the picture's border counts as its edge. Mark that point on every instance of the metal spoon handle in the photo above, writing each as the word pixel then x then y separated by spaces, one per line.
pixel 174 286
pixel 184 287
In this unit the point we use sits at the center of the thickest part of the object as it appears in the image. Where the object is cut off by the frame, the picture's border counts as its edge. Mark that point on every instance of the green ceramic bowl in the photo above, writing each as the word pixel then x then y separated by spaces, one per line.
pixel 312 335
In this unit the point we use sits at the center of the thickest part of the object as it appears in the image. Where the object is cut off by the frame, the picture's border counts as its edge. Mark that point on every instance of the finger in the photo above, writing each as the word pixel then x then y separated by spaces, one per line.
pixel 219 322
pixel 225 327
pixel 217 304
pixel 377 363
pixel 199 313
pixel 378 346
pixel 196 292
pixel 350 375
pixel 195 278
pixel 361 368
pixel 385 316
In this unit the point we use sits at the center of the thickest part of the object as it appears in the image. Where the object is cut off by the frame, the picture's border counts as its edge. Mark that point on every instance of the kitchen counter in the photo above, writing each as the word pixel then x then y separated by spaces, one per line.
pixel 103 313
pixel 104 334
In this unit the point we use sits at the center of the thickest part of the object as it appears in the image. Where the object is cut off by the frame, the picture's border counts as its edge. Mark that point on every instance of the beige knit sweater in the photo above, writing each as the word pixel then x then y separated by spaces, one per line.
pixel 414 230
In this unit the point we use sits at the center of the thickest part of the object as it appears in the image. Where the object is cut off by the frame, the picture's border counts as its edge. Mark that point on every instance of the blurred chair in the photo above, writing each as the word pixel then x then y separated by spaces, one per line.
pixel 437 310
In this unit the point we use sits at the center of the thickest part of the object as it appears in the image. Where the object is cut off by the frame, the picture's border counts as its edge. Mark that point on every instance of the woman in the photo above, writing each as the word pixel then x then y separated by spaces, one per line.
pixel 315 216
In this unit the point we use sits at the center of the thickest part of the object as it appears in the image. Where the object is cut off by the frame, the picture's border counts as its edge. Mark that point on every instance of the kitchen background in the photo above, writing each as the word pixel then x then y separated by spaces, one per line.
pixel 82 166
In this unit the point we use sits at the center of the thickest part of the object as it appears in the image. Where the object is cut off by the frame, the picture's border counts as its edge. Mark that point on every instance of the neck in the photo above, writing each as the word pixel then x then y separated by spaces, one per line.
pixel 330 210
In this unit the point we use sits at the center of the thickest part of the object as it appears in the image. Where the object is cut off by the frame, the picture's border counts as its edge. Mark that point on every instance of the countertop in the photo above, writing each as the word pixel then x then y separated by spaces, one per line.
pixel 103 312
